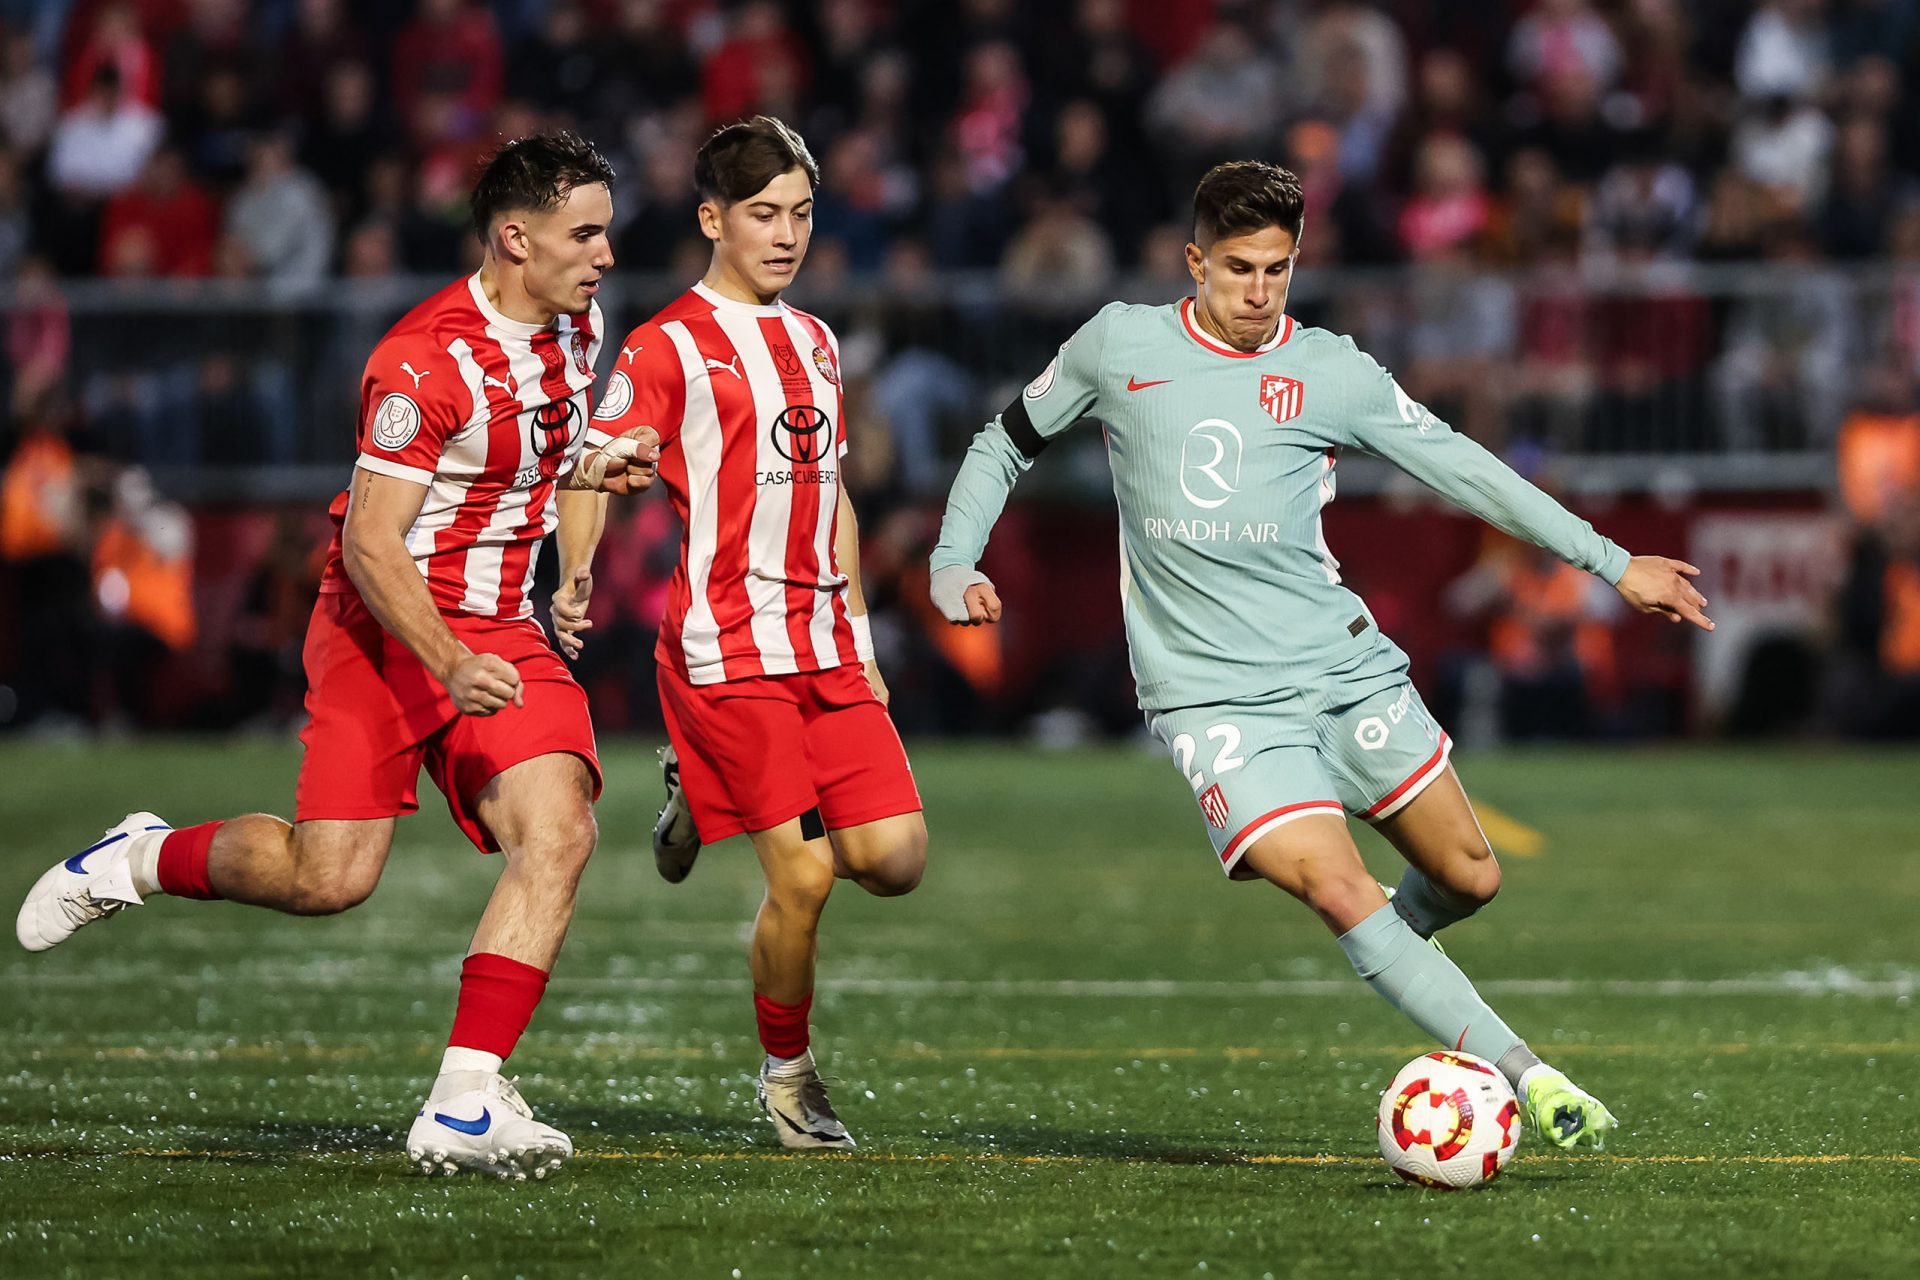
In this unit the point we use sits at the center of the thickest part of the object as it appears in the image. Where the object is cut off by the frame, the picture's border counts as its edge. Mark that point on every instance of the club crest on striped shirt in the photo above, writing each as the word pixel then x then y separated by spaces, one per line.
pixel 580 353
pixel 1282 398
pixel 824 363
pixel 1213 803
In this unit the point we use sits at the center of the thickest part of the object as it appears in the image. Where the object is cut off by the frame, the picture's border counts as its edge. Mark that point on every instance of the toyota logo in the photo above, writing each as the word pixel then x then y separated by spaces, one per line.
pixel 552 427
pixel 803 433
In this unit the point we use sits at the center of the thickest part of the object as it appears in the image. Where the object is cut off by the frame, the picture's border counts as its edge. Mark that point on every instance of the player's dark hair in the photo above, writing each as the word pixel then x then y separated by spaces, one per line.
pixel 1243 196
pixel 739 160
pixel 536 173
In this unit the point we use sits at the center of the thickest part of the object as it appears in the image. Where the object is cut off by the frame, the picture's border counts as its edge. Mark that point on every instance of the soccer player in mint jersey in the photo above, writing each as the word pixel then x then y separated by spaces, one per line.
pixel 422 650
pixel 1269 682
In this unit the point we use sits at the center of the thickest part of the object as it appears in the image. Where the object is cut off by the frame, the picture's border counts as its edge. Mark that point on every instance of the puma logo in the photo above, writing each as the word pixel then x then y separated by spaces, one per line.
pixel 407 368
pixel 732 366
pixel 628 353
pixel 505 385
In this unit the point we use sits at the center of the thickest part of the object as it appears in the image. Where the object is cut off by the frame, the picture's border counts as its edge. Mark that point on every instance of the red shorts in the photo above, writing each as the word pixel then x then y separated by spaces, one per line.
pixel 759 751
pixel 376 716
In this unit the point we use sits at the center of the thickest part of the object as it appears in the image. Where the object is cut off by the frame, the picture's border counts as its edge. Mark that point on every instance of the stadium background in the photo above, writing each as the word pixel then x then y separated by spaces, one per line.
pixel 1664 255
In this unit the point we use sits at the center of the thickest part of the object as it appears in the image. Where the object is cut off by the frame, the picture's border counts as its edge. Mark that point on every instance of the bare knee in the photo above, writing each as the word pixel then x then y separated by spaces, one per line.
pixel 332 891
pixel 1484 884
pixel 800 887
pixel 559 847
pixel 1341 900
pixel 333 871
pixel 1472 875
pixel 898 872
pixel 897 867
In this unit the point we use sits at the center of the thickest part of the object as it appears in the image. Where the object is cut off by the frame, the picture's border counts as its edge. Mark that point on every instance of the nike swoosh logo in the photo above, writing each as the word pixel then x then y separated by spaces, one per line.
pixel 800 1128
pixel 473 1127
pixel 1142 386
pixel 76 863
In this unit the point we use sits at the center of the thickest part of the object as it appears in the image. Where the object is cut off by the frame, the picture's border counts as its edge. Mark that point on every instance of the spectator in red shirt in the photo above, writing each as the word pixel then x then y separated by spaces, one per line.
pixel 166 207
pixel 115 41
pixel 759 55
pixel 451 47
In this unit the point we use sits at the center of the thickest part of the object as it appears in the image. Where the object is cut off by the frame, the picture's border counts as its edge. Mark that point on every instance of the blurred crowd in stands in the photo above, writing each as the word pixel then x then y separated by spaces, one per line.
pixel 1490 161
pixel 294 140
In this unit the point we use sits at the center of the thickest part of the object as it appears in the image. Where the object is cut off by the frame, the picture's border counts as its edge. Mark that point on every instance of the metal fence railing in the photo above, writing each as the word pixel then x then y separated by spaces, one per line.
pixel 1645 375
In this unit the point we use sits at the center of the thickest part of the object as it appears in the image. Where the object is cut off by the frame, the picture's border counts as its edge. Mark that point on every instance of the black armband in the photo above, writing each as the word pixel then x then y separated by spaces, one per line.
pixel 1019 428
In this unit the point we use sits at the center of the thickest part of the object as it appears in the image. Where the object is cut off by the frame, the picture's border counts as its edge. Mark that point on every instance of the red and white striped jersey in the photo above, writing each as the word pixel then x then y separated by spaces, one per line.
pixel 486 412
pixel 748 405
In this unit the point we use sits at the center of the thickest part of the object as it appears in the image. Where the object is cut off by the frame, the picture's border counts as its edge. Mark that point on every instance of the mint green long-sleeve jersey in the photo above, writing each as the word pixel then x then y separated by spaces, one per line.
pixel 1222 461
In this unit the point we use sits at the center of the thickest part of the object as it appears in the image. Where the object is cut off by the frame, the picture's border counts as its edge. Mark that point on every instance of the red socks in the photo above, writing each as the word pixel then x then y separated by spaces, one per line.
pixel 182 869
pixel 497 999
pixel 783 1027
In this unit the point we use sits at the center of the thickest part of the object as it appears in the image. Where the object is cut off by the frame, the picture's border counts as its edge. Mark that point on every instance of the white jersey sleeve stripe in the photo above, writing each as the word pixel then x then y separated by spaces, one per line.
pixel 399 471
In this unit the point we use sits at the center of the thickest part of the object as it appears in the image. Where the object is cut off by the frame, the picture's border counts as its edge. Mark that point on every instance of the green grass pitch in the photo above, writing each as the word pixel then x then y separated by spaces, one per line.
pixel 1076 1051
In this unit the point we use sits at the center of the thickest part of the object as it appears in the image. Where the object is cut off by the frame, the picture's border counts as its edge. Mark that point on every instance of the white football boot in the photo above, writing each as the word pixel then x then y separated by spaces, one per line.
pixel 477 1121
pixel 93 884
pixel 795 1099
pixel 676 842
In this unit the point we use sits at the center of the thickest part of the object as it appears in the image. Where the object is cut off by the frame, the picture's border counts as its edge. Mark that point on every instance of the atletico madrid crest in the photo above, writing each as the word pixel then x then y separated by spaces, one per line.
pixel 1282 398
pixel 1213 803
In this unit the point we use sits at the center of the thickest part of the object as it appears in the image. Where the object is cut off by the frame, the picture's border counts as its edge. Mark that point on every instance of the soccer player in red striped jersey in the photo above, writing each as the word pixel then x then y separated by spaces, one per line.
pixel 775 710
pixel 422 651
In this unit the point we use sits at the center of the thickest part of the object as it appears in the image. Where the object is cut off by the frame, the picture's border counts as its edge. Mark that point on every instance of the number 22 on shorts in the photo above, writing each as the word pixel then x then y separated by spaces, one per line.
pixel 1227 737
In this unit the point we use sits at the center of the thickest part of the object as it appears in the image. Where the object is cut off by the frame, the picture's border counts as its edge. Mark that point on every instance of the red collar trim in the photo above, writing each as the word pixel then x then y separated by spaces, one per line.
pixel 1213 344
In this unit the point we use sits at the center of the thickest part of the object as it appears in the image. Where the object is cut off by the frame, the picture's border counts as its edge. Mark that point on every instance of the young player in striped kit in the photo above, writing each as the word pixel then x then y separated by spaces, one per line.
pixel 774 707
pixel 1268 681
pixel 422 651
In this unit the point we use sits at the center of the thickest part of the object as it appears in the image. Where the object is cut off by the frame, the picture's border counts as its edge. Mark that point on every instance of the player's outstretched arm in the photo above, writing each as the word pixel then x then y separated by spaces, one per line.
pixel 380 510
pixel 1067 389
pixel 1655 584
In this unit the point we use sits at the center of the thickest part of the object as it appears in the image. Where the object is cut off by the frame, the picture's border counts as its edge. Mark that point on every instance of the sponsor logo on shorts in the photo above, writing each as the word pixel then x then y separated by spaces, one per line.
pixel 1373 732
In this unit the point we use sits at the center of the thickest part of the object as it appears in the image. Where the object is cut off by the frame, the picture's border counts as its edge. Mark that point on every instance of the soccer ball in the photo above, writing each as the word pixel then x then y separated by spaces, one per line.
pixel 1449 1120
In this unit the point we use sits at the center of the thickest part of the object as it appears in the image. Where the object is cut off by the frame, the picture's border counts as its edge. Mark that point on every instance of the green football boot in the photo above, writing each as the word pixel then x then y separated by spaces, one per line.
pixel 1561 1112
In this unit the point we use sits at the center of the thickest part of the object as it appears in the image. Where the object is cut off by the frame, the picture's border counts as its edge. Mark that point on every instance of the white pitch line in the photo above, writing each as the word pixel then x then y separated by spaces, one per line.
pixel 1790 984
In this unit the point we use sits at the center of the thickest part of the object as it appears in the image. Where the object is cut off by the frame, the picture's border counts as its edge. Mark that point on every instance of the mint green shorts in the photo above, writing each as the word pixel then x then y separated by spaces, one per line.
pixel 1255 767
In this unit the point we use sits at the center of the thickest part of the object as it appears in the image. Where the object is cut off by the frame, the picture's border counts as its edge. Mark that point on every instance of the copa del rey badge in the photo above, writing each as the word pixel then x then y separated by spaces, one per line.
pixel 1282 398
